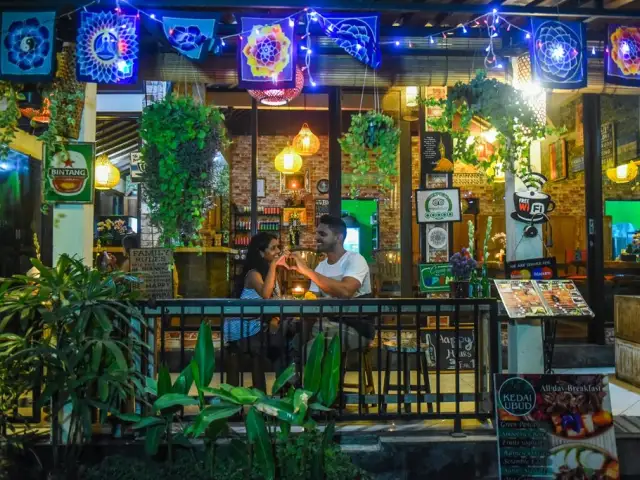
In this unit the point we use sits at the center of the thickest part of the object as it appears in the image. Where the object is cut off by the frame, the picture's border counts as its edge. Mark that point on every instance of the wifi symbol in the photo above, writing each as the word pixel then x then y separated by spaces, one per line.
pixel 534 181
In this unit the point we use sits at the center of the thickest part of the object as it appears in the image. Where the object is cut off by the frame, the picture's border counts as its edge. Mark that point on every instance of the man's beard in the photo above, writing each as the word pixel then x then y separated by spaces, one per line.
pixel 325 247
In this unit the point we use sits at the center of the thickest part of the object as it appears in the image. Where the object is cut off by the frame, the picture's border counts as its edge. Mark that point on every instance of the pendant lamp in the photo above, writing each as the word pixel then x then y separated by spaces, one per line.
pixel 306 143
pixel 623 173
pixel 288 161
pixel 276 97
pixel 107 174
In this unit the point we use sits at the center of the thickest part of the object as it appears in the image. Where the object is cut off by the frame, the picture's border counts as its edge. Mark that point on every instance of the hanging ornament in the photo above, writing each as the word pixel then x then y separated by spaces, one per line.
pixel 623 173
pixel 358 36
pixel 279 96
pixel 622 56
pixel 42 115
pixel 107 174
pixel 288 160
pixel 191 37
pixel 306 143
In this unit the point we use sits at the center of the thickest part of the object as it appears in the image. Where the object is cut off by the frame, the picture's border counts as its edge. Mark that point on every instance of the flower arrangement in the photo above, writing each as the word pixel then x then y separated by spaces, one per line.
pixel 485 246
pixel 294 229
pixel 108 229
pixel 501 239
pixel 472 234
pixel 462 264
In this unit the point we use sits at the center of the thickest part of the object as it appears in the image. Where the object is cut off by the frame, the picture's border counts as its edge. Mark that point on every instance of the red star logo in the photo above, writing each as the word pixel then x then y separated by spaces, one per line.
pixel 68 162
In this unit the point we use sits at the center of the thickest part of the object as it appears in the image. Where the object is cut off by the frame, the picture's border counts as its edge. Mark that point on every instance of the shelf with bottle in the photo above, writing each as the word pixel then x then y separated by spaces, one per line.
pixel 243 227
pixel 262 211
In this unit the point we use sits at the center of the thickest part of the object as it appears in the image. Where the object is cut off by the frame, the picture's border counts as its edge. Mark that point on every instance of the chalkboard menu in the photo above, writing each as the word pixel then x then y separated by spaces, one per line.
pixel 153 265
pixel 437 152
pixel 446 352
pixel 555 427
pixel 608 145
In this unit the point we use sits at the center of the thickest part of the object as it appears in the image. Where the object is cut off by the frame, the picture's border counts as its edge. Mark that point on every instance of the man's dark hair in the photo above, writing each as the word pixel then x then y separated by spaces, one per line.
pixel 129 242
pixel 335 224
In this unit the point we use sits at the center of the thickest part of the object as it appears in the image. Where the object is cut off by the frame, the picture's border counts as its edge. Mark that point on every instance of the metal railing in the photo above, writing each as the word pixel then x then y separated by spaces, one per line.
pixel 441 368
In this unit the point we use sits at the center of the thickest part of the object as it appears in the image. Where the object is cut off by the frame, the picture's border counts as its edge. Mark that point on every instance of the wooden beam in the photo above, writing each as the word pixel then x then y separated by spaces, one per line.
pixel 254 167
pixel 406 210
pixel 335 153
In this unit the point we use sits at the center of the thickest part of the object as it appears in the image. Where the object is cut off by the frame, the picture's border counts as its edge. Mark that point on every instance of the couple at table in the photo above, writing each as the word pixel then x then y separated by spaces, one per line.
pixel 341 275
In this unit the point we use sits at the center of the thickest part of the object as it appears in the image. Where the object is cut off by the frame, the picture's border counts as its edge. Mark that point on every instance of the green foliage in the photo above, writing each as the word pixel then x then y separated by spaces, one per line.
pixel 504 108
pixel 180 140
pixel 71 328
pixel 10 95
pixel 372 145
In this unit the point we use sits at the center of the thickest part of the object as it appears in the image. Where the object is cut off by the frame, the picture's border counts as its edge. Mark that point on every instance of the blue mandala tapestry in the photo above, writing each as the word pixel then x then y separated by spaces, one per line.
pixel 558 54
pixel 192 37
pixel 267 54
pixel 27 45
pixel 107 48
pixel 359 37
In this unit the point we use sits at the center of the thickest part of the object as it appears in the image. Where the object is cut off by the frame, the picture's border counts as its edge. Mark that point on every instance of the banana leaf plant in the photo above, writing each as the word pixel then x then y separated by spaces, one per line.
pixel 75 328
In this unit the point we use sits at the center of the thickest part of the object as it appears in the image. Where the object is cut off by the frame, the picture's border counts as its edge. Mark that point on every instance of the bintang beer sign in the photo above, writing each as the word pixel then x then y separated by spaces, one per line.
pixel 68 175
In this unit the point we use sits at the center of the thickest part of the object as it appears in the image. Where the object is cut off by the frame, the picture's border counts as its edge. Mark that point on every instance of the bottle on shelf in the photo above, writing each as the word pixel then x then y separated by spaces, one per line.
pixel 485 283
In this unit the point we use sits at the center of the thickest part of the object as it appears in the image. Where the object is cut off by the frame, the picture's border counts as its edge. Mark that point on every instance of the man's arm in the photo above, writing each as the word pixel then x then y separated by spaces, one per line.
pixel 345 288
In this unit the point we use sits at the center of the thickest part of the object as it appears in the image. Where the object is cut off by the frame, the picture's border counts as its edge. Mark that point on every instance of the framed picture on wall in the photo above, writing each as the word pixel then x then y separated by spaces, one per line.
pixel 261 188
pixel 558 160
pixel 438 205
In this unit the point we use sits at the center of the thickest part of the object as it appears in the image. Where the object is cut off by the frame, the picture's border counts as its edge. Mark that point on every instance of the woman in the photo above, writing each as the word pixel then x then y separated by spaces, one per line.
pixel 257 281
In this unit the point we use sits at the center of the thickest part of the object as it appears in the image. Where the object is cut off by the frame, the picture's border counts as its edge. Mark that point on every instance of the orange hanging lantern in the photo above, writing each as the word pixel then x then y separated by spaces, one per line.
pixel 288 161
pixel 276 97
pixel 306 143
pixel 107 174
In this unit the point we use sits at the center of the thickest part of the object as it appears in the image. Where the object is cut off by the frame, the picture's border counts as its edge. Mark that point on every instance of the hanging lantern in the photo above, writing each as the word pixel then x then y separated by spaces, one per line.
pixel 288 161
pixel 623 173
pixel 107 174
pixel 306 143
pixel 279 96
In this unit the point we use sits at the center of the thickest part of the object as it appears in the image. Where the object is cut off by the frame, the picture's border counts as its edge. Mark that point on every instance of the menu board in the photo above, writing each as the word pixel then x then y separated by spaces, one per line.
pixel 153 265
pixel 437 152
pixel 445 355
pixel 542 298
pixel 555 427
pixel 521 298
pixel 608 145
pixel 563 298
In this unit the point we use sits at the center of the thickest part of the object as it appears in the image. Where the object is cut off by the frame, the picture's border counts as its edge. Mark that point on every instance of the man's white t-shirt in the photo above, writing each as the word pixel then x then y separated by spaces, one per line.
pixel 351 264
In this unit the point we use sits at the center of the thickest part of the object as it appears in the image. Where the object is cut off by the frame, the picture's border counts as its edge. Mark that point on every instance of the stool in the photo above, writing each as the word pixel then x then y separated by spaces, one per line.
pixel 404 384
pixel 232 365
pixel 366 384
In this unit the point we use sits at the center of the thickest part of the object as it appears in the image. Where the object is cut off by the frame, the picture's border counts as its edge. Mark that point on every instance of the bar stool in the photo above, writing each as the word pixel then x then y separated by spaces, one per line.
pixel 408 346
pixel 233 363
pixel 366 383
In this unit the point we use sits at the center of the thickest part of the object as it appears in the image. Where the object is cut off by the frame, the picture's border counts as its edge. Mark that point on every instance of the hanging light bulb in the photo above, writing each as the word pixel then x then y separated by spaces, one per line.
pixel 107 174
pixel 306 143
pixel 288 161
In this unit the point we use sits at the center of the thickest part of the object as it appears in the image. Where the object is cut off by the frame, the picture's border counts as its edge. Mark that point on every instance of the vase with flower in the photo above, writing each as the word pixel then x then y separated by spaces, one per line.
pixel 462 264
pixel 111 231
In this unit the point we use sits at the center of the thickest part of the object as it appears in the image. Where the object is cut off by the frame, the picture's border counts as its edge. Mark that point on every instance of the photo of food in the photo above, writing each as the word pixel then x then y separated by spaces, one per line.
pixel 563 299
pixel 583 462
pixel 521 298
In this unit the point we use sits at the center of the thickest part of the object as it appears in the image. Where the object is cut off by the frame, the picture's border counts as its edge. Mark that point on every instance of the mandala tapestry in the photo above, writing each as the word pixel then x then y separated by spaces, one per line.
pixel 107 48
pixel 622 64
pixel 27 45
pixel 558 54
pixel 192 37
pixel 267 54
pixel 359 37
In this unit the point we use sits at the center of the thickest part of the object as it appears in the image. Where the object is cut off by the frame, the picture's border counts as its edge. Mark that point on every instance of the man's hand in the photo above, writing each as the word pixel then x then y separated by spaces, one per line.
pixel 300 265
pixel 282 262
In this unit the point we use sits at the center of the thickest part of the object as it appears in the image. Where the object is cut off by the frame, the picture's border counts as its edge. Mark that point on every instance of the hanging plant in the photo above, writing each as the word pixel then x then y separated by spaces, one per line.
pixel 504 107
pixel 180 140
pixel 10 95
pixel 372 145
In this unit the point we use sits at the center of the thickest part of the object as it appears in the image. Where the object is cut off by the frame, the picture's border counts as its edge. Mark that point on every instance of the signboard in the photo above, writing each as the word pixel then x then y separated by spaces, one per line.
pixel 434 277
pixel 542 298
pixel 154 265
pixel 136 173
pixel 446 352
pixel 577 164
pixel 68 175
pixel 555 427
pixel 532 269
pixel 437 152
pixel 438 205
pixel 608 145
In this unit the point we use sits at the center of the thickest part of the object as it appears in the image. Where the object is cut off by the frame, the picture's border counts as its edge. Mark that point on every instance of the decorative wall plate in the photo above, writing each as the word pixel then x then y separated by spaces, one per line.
pixel 437 237
pixel 323 186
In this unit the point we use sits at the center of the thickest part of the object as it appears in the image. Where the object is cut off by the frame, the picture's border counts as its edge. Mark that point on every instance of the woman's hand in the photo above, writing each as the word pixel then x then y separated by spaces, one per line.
pixel 281 262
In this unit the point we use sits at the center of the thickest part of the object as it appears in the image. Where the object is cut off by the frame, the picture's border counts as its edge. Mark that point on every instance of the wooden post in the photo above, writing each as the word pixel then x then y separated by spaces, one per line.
pixel 254 167
pixel 406 210
pixel 335 153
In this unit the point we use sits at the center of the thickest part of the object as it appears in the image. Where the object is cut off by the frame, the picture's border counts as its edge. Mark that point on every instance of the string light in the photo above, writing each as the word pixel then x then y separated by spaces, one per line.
pixel 397 43
pixel 593 50
pixel 291 23
pixel 464 29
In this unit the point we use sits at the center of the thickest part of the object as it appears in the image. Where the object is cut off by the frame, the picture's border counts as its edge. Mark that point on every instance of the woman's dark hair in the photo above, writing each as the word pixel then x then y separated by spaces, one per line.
pixel 129 242
pixel 254 261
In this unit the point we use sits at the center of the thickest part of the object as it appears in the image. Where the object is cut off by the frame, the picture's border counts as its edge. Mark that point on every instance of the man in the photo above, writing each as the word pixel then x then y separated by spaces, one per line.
pixel 343 275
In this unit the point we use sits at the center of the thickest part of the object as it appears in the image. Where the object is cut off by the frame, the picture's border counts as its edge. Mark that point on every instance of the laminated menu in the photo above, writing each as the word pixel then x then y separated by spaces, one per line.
pixel 556 427
pixel 542 298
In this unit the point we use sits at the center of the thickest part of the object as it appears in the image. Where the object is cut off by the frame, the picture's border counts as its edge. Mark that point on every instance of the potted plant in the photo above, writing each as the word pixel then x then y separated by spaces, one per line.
pixel 110 232
pixel 630 254
pixel 180 138
pixel 462 264
pixel 372 145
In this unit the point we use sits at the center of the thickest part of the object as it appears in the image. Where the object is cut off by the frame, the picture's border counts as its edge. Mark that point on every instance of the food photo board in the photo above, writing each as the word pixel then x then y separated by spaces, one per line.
pixel 542 298
pixel 556 427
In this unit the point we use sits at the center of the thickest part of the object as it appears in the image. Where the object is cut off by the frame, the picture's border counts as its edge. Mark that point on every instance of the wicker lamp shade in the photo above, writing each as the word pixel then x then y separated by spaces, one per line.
pixel 306 143
pixel 107 174
pixel 279 96
pixel 623 173
pixel 288 161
